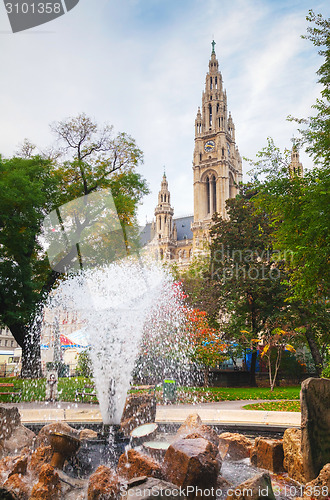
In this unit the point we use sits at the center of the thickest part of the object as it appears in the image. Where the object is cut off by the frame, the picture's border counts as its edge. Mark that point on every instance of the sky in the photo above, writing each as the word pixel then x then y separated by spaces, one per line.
pixel 140 65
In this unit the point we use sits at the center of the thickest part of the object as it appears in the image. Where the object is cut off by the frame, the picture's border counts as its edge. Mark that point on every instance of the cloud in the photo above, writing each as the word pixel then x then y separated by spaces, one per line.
pixel 141 65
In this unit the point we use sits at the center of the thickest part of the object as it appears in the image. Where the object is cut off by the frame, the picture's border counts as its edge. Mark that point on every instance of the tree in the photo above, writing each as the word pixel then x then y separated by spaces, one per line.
pixel 29 191
pixel 316 132
pixel 94 160
pixel 206 346
pixel 247 277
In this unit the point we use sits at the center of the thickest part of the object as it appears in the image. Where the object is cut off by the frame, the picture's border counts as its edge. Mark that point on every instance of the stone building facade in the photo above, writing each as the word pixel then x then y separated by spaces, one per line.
pixel 217 172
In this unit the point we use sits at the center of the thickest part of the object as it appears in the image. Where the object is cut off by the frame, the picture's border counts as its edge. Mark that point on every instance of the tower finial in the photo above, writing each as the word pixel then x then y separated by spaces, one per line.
pixel 164 172
pixel 213 44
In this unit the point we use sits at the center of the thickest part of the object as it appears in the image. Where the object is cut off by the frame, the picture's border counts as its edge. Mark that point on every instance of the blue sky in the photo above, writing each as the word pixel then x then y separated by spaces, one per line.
pixel 140 65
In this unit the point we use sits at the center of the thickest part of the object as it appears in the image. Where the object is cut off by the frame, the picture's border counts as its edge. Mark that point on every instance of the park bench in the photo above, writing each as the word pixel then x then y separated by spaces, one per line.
pixel 88 391
pixel 11 390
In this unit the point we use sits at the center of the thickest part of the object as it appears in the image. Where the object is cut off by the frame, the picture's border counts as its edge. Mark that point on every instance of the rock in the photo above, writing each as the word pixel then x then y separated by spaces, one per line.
pixel 315 424
pixel 269 453
pixel 253 456
pixel 293 460
pixel 139 409
pixel 222 483
pixel 154 488
pixel 9 420
pixel 192 421
pixel 21 437
pixel 192 462
pixel 19 486
pixel 133 464
pixel 39 458
pixel 7 495
pixel 43 436
pixel 72 488
pixel 257 488
pixel 48 487
pixel 194 425
pixel 234 446
pixel 197 435
pixel 20 466
pixel 202 431
pixel 320 487
pixel 103 484
pixel 87 434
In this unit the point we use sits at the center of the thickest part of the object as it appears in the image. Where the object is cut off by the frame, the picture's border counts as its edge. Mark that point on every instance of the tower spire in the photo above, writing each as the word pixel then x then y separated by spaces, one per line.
pixel 213 44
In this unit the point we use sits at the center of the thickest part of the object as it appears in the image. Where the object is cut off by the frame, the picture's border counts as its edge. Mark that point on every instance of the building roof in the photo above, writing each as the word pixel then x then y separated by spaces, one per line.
pixel 145 234
pixel 183 227
pixel 182 224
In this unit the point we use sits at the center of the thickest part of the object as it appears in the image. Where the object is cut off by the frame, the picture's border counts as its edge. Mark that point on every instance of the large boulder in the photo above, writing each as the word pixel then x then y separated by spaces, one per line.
pixel 269 454
pixel 234 446
pixel 293 460
pixel 192 462
pixel 153 489
pixel 139 409
pixel 103 484
pixel 43 435
pixel 133 464
pixel 320 487
pixel 315 424
pixel 257 488
pixel 48 487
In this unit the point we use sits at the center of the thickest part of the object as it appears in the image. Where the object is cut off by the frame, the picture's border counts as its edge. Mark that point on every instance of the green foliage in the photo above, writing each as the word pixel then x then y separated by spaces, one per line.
pixel 91 159
pixel 315 134
pixel 29 191
pixel 84 366
pixel 326 372
pixel 246 274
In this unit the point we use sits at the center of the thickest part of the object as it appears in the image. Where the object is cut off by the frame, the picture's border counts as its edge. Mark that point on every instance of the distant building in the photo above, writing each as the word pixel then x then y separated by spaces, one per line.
pixel 217 172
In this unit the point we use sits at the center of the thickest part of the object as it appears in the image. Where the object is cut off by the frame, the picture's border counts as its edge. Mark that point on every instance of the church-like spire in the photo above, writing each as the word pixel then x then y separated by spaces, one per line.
pixel 213 45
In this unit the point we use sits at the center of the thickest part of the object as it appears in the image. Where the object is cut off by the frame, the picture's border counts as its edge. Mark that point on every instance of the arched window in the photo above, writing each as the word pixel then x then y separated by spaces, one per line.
pixel 214 192
pixel 210 114
pixel 207 180
pixel 232 190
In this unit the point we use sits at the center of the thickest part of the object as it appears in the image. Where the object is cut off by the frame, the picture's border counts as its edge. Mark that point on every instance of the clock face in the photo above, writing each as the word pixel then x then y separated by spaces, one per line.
pixel 209 146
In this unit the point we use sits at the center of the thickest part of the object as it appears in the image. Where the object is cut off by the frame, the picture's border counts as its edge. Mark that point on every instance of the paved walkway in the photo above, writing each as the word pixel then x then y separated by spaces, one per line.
pixel 224 412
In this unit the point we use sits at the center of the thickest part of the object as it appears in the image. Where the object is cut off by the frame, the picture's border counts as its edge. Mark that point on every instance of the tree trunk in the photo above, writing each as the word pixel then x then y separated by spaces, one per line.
pixel 206 377
pixel 29 340
pixel 31 359
pixel 252 380
pixel 317 358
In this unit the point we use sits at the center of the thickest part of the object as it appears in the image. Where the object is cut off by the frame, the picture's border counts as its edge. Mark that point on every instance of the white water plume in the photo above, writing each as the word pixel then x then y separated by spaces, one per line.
pixel 114 302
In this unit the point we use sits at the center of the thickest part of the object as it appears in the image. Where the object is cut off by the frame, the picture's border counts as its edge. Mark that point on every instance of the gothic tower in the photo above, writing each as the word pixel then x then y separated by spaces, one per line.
pixel 295 167
pixel 217 165
pixel 163 229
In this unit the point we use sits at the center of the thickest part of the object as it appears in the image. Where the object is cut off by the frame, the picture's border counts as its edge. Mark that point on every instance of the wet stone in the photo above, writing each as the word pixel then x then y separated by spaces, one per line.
pixel 133 464
pixel 293 460
pixel 257 488
pixel 234 446
pixel 269 454
pixel 192 462
pixel 315 424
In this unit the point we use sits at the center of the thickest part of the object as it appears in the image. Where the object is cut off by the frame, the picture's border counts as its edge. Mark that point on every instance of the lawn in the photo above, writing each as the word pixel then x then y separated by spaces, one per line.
pixel 275 406
pixel 35 390
pixel 214 394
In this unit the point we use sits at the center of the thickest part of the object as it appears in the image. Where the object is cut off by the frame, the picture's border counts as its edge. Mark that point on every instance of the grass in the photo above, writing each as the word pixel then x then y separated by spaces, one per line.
pixel 275 406
pixel 35 390
pixel 214 394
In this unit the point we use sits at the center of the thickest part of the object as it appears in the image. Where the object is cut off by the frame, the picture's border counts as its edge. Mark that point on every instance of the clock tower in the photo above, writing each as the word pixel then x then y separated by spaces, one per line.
pixel 217 165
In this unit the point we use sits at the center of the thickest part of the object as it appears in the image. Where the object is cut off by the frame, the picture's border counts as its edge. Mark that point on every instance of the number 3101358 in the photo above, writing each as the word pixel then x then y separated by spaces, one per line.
pixel 34 8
